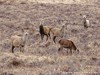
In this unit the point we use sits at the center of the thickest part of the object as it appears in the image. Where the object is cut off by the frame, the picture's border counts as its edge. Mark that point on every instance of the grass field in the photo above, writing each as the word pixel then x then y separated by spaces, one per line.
pixel 43 58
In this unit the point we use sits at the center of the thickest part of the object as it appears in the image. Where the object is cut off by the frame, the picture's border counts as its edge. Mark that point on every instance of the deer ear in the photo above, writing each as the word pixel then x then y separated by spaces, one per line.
pixel 80 14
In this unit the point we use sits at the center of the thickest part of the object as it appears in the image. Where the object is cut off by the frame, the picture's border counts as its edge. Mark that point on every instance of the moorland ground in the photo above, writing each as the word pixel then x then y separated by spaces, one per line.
pixel 43 58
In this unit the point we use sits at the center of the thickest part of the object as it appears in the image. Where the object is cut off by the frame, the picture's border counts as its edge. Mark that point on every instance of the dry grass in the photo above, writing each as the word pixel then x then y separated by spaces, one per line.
pixel 43 58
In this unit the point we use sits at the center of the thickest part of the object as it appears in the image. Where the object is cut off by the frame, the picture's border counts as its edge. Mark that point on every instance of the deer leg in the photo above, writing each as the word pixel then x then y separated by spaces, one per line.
pixel 78 51
pixel 21 48
pixel 85 25
pixel 71 51
pixel 67 51
pixel 42 36
pixel 54 39
pixel 13 49
pixel 47 37
pixel 60 48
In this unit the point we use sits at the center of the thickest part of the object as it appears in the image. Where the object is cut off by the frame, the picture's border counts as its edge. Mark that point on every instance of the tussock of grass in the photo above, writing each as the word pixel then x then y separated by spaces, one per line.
pixel 24 60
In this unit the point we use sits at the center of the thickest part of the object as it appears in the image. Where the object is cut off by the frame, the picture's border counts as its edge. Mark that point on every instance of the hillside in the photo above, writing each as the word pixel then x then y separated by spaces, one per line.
pixel 43 58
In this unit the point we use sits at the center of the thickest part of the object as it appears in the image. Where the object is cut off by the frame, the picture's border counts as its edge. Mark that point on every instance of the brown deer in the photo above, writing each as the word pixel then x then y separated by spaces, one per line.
pixel 44 30
pixel 64 43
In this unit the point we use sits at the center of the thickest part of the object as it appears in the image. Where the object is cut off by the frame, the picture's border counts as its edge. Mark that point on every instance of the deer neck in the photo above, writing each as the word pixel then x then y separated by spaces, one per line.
pixel 62 31
pixel 24 38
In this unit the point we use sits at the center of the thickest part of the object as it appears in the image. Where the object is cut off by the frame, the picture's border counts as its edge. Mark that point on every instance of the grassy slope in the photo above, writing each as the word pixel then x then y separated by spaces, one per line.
pixel 38 59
